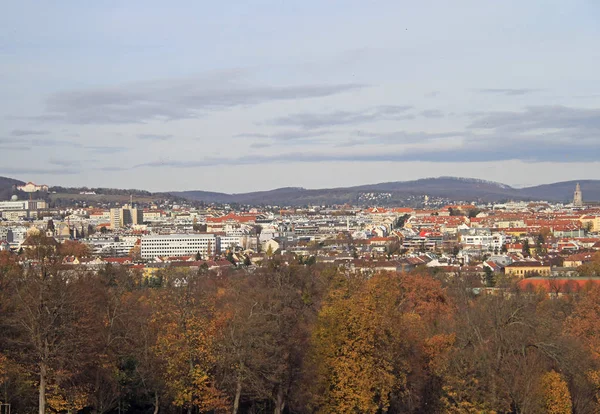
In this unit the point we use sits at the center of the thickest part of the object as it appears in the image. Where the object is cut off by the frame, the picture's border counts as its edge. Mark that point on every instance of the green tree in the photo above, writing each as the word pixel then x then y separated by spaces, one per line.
pixel 526 248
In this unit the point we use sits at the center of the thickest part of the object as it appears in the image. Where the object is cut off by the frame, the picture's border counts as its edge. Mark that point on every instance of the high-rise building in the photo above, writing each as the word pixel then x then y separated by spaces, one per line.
pixel 578 197
pixel 125 216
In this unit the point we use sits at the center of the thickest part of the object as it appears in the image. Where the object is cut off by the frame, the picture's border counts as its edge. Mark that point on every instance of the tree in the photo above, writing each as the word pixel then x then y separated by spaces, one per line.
pixel 557 398
pixel 52 324
pixel 526 248
pixel 363 344
pixel 490 280
pixel 136 252
pixel 473 212
pixel 185 345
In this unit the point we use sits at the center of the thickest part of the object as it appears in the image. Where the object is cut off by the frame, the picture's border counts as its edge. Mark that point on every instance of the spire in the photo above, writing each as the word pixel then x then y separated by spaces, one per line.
pixel 578 196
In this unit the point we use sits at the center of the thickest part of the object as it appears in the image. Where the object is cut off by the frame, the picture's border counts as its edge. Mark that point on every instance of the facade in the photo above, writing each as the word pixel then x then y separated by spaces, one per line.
pixel 527 269
pixel 19 205
pixel 32 187
pixel 179 245
pixel 578 197
pixel 125 216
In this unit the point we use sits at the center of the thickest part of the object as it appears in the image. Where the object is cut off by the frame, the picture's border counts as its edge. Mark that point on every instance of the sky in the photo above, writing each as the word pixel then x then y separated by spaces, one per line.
pixel 239 96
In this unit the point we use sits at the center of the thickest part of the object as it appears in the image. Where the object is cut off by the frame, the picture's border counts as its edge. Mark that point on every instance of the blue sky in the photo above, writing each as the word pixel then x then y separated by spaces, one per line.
pixel 239 96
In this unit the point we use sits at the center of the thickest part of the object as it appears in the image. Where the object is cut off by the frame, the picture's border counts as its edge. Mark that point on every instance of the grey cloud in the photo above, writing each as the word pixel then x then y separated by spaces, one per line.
pixel 14 148
pixel 432 94
pixel 540 117
pixel 106 149
pixel 25 132
pixel 155 137
pixel 259 145
pixel 64 162
pixel 400 137
pixel 112 169
pixel 174 99
pixel 49 142
pixel 251 135
pixel 529 151
pixel 291 135
pixel 509 92
pixel 318 120
pixel 44 171
pixel 432 113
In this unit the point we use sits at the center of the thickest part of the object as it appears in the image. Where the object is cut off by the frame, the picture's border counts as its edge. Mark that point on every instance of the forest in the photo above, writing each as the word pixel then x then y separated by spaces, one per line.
pixel 288 338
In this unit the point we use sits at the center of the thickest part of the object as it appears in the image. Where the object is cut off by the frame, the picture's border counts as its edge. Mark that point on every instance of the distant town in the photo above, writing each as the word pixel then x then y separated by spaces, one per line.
pixel 533 241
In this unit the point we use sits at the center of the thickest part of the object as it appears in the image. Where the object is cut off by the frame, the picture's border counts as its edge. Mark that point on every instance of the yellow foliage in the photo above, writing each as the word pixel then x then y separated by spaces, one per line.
pixel 557 398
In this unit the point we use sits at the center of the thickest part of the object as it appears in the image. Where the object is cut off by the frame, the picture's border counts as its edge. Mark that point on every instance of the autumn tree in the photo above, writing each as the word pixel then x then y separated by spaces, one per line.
pixel 74 248
pixel 371 338
pixel 557 398
pixel 185 345
pixel 265 337
pixel 51 325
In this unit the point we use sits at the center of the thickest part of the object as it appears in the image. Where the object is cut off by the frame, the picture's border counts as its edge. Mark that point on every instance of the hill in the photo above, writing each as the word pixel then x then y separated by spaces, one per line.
pixel 7 187
pixel 563 191
pixel 387 193
pixel 451 188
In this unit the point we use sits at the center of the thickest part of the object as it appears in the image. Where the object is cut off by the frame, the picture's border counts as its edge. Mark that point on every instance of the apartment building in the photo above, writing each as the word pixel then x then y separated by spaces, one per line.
pixel 125 216
pixel 180 245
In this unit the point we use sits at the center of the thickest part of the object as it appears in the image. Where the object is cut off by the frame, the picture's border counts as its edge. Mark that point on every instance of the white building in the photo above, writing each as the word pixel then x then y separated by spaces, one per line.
pixel 179 245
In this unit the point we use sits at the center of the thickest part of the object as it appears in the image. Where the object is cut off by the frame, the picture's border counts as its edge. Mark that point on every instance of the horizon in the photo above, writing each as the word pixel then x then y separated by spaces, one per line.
pixel 224 191
pixel 244 97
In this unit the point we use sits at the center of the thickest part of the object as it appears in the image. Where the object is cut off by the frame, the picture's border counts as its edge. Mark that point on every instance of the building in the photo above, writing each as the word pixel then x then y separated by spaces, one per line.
pixel 32 187
pixel 125 216
pixel 179 245
pixel 578 196
pixel 20 205
pixel 527 269
pixel 591 223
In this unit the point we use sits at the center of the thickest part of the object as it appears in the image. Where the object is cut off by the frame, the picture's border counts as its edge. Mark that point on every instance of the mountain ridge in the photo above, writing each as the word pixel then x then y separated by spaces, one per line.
pixel 391 192
pixel 452 188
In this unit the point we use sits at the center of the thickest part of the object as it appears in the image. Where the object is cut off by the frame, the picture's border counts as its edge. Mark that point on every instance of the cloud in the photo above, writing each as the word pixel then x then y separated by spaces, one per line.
pixel 25 132
pixel 570 120
pixel 509 92
pixel 106 149
pixel 291 135
pixel 398 137
pixel 432 113
pixel 535 134
pixel 64 162
pixel 308 120
pixel 14 148
pixel 259 145
pixel 174 99
pixel 155 137
pixel 41 171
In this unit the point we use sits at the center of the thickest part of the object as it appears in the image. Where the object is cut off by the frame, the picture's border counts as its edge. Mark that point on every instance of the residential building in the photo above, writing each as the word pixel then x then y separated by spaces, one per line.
pixel 125 216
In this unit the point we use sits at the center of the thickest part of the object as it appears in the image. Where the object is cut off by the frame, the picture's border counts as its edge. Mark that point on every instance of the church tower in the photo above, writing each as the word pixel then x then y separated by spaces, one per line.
pixel 578 197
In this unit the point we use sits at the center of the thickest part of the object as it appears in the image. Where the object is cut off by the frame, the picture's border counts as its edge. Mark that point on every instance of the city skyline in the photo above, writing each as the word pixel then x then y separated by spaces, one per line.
pixel 241 97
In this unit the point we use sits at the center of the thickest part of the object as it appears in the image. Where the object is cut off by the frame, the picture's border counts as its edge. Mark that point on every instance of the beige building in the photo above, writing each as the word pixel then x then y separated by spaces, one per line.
pixel 527 269
pixel 591 223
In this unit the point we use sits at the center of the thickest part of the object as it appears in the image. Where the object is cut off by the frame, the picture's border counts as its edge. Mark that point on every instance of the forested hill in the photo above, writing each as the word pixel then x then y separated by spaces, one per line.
pixel 7 187
pixel 452 188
